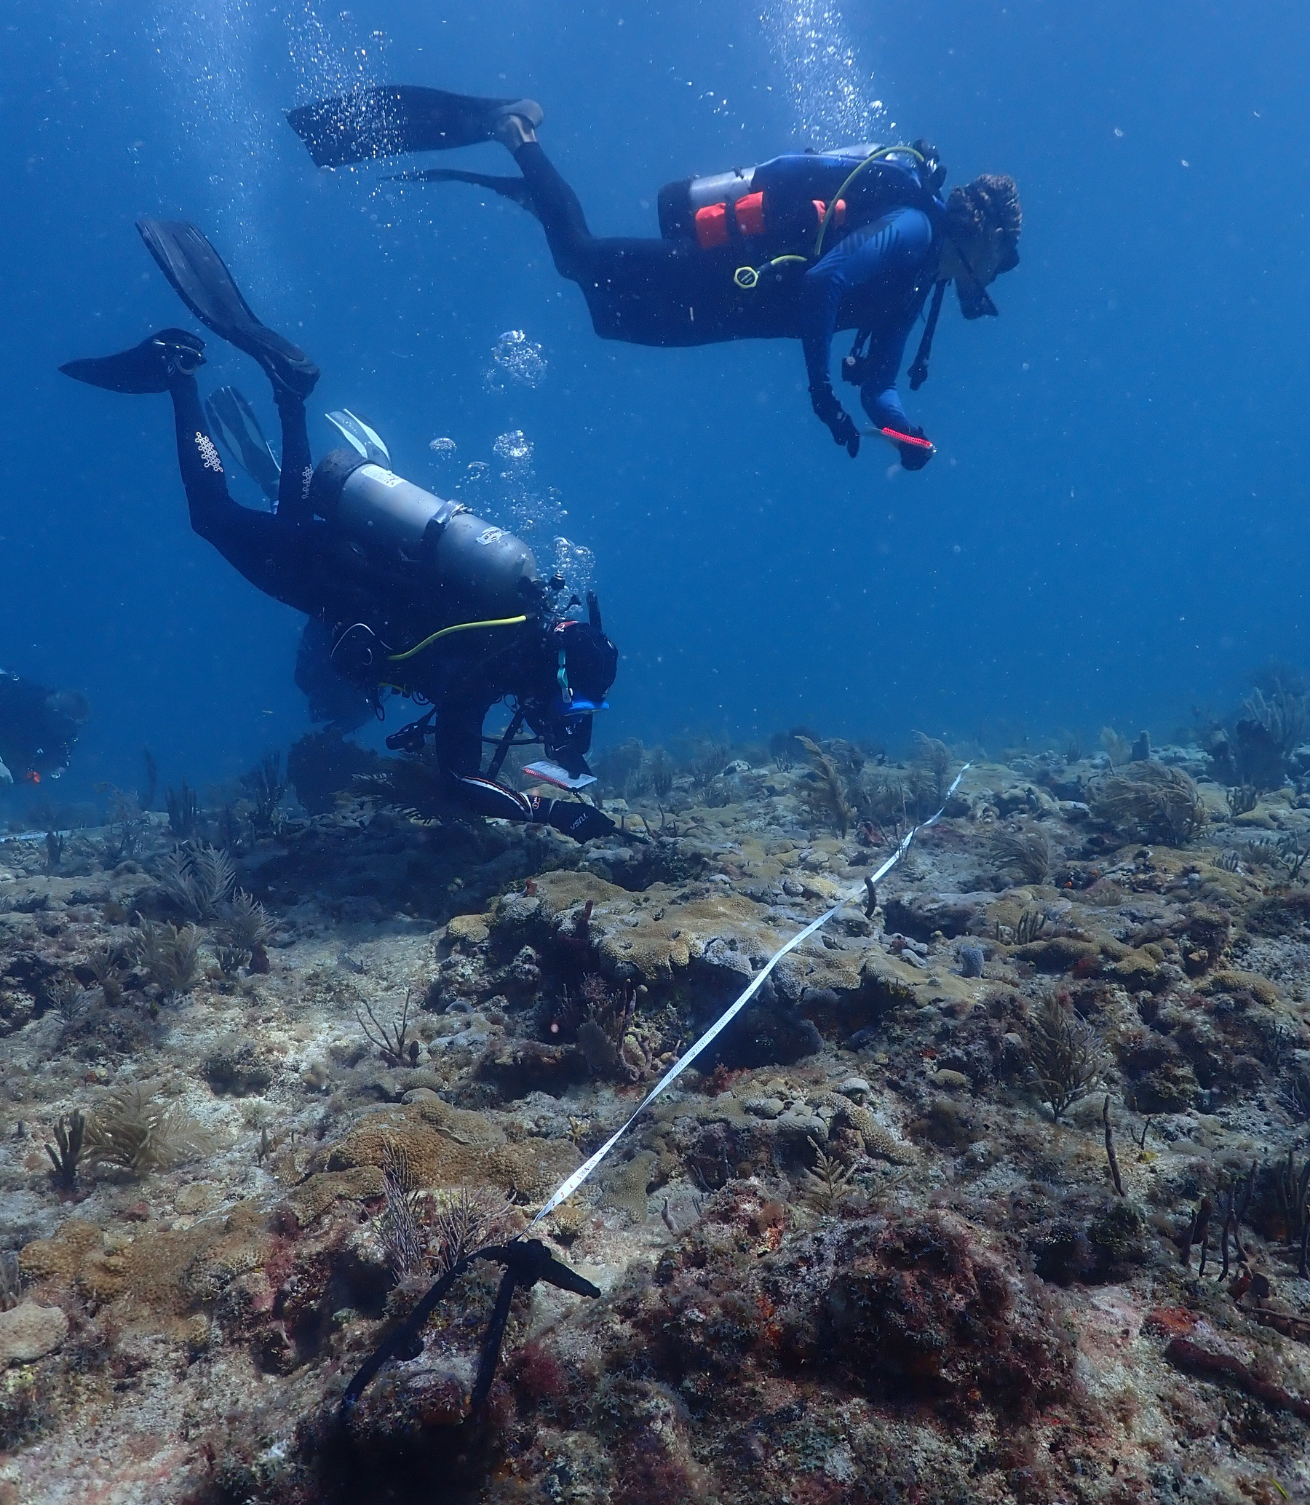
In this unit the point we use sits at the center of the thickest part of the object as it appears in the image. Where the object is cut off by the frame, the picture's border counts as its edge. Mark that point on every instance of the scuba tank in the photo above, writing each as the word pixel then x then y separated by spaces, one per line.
pixel 784 201
pixel 490 572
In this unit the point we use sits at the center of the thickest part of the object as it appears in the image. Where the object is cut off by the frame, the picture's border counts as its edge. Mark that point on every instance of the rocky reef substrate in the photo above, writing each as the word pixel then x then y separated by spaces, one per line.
pixel 997 1192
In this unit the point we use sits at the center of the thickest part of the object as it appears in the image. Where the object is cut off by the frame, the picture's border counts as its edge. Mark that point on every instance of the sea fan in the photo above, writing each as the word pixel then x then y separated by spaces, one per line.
pixel 132 1129
pixel 171 956
pixel 824 793
pixel 416 788
pixel 1150 801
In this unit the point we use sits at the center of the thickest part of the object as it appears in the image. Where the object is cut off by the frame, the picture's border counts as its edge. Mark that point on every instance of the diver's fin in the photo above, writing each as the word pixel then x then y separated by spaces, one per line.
pixel 508 188
pixel 205 285
pixel 362 437
pixel 391 119
pixel 152 366
pixel 233 420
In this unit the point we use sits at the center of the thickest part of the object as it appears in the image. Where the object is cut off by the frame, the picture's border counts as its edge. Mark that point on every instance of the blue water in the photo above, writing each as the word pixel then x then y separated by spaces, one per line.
pixel 1113 529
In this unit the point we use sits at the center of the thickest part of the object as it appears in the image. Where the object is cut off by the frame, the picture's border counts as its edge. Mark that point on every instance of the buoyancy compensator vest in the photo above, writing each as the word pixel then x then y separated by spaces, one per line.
pixel 788 204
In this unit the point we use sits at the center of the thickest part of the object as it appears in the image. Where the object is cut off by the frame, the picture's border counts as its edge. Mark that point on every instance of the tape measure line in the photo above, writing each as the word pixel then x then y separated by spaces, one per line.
pixel 567 1187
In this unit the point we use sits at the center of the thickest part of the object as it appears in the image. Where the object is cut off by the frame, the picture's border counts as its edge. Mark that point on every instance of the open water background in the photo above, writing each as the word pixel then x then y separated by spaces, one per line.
pixel 1114 529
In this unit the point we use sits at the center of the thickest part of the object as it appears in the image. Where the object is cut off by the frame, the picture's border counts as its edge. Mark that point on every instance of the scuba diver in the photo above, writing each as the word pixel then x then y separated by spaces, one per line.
pixel 38 729
pixel 403 590
pixel 796 248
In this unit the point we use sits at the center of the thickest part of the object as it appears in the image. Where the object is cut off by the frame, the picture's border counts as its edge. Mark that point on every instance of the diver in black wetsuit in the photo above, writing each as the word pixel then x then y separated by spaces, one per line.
pixel 403 590
pixel 38 729
pixel 798 247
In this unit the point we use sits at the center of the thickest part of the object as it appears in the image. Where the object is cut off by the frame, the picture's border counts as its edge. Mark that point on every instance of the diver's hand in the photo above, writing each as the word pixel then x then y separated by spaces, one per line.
pixel 581 822
pixel 846 434
pixel 840 424
pixel 914 456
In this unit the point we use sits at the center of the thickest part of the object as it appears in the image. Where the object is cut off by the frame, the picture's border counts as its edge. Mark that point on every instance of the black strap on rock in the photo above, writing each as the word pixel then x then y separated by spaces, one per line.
pixel 411 736
pixel 526 1261
pixel 505 743
pixel 919 370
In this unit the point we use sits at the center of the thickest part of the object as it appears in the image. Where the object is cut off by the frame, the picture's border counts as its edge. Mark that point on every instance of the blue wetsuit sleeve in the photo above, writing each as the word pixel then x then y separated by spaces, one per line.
pixel 895 246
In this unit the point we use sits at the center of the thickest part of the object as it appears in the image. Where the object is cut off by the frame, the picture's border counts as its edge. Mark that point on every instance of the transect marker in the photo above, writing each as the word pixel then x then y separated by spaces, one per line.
pixel 568 1187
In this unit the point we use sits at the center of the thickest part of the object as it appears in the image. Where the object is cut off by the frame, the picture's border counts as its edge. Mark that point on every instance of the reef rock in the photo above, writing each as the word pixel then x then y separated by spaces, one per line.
pixel 30 1332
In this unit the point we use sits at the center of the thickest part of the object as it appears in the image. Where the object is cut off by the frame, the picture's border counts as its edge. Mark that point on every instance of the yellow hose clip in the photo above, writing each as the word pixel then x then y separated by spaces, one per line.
pixel 399 658
pixel 749 277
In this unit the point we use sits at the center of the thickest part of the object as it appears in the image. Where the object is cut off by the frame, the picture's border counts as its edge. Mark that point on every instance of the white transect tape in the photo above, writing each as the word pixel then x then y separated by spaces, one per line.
pixel 568 1187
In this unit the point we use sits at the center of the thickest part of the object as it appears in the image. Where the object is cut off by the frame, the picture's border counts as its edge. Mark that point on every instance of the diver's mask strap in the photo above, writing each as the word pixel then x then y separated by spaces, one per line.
pixel 989 308
pixel 919 370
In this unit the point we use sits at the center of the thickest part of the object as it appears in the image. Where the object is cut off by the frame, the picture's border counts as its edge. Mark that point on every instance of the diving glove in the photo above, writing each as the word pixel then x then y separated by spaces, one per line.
pixel 915 456
pixel 840 424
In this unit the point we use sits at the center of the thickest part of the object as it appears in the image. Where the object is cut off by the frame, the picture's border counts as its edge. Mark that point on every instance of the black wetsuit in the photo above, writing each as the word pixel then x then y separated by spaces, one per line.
pixel 874 273
pixel 38 729
pixel 304 562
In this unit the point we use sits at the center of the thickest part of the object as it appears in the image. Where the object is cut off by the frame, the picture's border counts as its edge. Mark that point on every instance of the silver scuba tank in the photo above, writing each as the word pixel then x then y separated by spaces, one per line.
pixel 384 511
pixel 488 571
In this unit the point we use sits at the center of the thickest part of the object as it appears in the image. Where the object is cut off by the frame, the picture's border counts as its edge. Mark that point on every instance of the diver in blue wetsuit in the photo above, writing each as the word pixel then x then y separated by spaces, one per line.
pixel 799 247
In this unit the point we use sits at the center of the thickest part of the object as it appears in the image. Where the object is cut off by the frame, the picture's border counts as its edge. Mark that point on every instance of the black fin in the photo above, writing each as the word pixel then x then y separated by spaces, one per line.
pixel 389 120
pixel 151 366
pixel 233 421
pixel 205 285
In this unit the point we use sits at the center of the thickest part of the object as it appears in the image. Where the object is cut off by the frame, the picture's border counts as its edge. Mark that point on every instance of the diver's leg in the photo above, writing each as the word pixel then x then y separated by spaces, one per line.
pixel 198 460
pixel 297 465
pixel 254 543
pixel 560 212
pixel 644 290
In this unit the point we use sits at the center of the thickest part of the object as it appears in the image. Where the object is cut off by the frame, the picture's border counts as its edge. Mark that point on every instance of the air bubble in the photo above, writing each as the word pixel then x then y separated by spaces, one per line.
pixel 515 359
pixel 515 448
pixel 443 448
pixel 577 564
pixel 824 78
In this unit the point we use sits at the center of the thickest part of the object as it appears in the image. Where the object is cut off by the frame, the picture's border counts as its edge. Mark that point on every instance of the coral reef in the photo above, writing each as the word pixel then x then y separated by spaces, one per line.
pixel 996 1192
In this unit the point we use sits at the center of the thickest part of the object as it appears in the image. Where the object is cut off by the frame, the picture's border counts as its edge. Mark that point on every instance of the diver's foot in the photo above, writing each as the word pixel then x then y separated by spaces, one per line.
pixel 516 124
pixel 152 366
pixel 293 375
pixel 205 285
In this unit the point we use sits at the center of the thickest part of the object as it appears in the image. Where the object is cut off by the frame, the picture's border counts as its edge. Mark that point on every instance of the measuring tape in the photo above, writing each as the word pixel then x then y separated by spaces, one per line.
pixel 567 1187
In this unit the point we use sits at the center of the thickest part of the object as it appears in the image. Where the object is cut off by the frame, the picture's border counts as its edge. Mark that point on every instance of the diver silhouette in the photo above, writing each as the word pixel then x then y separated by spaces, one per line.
pixel 38 729
pixel 798 247
pixel 404 591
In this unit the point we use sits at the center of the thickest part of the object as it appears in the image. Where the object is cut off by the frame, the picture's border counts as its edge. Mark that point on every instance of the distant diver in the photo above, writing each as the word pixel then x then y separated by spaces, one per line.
pixel 796 248
pixel 38 729
pixel 403 591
